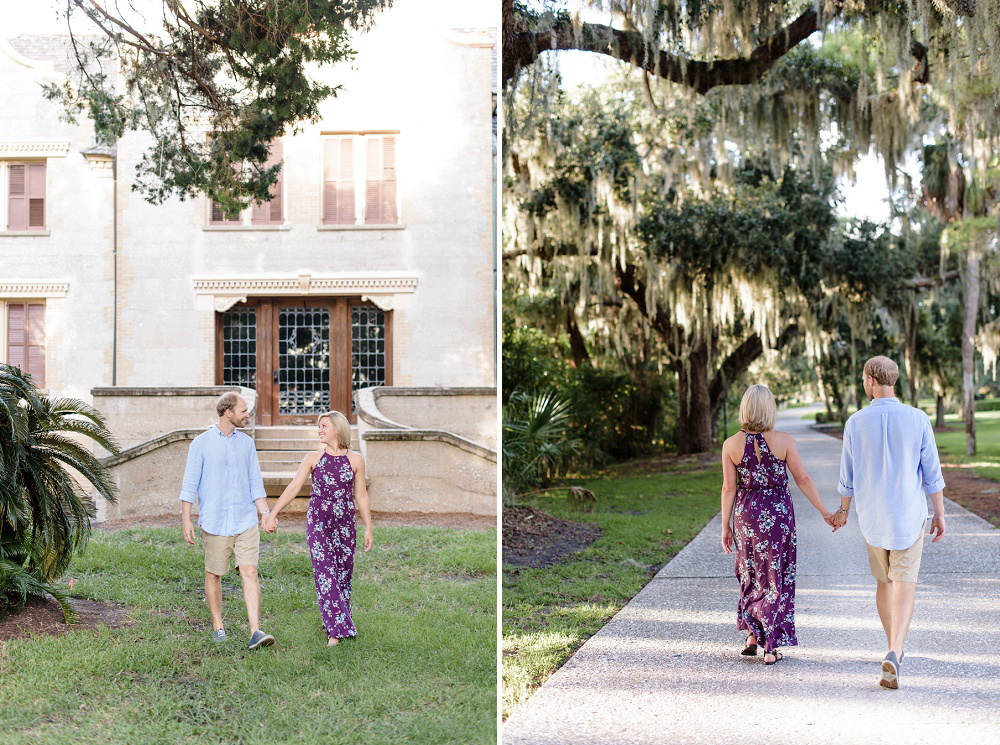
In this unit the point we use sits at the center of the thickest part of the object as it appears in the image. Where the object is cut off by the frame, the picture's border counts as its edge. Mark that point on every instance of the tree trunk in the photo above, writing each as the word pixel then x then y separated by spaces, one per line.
pixel 969 347
pixel 910 354
pixel 693 410
pixel 577 344
pixel 939 423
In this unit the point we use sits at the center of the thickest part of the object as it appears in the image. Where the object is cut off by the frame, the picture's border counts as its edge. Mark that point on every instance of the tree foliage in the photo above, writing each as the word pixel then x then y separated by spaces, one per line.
pixel 213 82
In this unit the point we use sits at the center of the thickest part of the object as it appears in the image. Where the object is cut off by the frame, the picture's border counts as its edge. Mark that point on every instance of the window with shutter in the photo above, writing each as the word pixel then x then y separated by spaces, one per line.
pixel 338 181
pixel 270 212
pixel 219 217
pixel 26 196
pixel 380 183
pixel 26 339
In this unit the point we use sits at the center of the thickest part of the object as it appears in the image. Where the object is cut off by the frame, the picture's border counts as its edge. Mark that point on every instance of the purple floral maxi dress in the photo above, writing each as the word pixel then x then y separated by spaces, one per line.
pixel 331 536
pixel 764 532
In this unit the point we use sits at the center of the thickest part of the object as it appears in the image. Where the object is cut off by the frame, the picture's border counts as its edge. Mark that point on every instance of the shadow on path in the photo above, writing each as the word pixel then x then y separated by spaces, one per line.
pixel 667 668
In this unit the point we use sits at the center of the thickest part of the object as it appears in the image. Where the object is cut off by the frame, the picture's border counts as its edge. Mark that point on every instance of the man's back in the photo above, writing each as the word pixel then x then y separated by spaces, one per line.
pixel 890 458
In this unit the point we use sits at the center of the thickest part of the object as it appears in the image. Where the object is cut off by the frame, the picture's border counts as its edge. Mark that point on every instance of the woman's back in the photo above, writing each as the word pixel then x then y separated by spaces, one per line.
pixel 762 465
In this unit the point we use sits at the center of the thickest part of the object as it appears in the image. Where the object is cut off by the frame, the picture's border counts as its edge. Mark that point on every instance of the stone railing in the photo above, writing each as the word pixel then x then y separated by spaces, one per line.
pixel 435 452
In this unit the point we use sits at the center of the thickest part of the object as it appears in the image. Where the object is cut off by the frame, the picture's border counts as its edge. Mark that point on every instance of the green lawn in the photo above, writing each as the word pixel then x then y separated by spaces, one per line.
pixel 423 668
pixel 951 445
pixel 548 613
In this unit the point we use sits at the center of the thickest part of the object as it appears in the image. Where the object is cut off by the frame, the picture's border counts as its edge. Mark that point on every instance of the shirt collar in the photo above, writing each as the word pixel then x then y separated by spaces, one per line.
pixel 880 401
pixel 220 434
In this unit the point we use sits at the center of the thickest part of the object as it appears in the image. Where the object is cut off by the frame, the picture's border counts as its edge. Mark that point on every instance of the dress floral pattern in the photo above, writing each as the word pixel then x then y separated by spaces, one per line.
pixel 331 536
pixel 764 532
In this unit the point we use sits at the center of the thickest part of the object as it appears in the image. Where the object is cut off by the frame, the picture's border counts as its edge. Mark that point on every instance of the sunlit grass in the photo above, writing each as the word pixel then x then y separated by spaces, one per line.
pixel 548 613
pixel 423 668
pixel 951 445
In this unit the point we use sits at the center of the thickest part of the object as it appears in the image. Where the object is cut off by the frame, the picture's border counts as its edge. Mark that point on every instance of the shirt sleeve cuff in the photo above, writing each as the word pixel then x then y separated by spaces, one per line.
pixel 846 491
pixel 187 497
pixel 935 486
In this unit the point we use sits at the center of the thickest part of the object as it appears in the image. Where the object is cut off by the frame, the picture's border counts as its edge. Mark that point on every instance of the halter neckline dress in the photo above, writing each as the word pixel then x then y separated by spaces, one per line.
pixel 764 532
pixel 331 535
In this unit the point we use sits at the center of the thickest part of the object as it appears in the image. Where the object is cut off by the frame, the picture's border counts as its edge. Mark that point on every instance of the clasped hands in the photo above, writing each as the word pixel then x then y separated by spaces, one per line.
pixel 836 520
pixel 269 523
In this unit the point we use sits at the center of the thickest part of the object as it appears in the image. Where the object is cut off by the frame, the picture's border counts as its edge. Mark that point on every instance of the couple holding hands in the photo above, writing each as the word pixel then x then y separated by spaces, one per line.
pixel 889 460
pixel 223 473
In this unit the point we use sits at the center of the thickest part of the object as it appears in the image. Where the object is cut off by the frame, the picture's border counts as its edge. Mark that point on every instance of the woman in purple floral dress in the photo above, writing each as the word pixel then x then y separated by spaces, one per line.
pixel 338 485
pixel 755 498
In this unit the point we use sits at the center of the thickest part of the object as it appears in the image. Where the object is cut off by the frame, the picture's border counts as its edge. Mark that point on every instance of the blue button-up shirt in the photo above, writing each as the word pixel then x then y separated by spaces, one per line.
pixel 889 460
pixel 224 473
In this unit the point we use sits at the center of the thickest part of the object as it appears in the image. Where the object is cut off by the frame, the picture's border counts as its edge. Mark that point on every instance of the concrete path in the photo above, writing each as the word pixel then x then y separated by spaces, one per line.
pixel 667 669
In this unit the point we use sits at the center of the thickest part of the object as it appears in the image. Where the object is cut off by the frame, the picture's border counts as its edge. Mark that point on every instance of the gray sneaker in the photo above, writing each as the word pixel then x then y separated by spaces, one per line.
pixel 261 639
pixel 890 671
pixel 219 636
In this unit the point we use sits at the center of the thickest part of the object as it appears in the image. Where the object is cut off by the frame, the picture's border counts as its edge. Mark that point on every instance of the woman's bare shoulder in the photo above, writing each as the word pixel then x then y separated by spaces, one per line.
pixel 733 445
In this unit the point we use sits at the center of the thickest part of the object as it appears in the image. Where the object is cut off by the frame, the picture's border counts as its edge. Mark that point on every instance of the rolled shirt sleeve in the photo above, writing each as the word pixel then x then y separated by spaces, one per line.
pixel 192 472
pixel 930 462
pixel 254 478
pixel 846 484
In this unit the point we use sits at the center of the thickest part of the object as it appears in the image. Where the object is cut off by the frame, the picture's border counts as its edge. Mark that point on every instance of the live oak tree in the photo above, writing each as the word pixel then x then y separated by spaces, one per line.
pixel 714 279
pixel 722 84
pixel 213 82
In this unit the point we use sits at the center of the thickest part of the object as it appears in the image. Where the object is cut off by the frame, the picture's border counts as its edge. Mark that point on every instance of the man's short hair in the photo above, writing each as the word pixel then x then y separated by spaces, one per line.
pixel 226 402
pixel 882 370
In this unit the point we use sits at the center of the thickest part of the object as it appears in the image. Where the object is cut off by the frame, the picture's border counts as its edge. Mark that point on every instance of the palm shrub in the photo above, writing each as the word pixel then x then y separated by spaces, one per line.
pixel 535 443
pixel 45 511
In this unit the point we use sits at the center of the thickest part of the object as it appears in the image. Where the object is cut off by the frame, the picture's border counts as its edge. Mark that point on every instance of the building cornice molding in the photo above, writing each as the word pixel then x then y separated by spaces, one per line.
pixel 19 290
pixel 376 288
pixel 34 149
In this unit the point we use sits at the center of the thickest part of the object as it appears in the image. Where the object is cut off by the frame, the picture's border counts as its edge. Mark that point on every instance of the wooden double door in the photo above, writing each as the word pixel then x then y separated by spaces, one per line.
pixel 303 356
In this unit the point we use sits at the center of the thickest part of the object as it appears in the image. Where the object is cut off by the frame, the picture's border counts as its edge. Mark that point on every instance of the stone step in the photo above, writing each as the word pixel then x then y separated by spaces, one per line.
pixel 294 438
pixel 286 433
pixel 276 481
pixel 281 456
pixel 285 444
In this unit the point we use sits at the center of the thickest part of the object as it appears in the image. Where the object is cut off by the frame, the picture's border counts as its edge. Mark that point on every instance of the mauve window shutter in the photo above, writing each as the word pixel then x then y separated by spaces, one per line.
pixel 35 342
pixel 17 198
pixel 270 211
pixel 36 196
pixel 16 351
pixel 389 180
pixel 373 182
pixel 345 182
pixel 278 154
pixel 331 165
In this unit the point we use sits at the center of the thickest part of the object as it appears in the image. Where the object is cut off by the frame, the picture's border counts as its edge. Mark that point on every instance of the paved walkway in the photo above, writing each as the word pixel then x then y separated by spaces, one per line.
pixel 667 669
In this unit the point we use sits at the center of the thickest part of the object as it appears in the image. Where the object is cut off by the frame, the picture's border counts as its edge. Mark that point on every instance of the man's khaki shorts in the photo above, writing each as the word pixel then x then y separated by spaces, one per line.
pixel 901 565
pixel 219 549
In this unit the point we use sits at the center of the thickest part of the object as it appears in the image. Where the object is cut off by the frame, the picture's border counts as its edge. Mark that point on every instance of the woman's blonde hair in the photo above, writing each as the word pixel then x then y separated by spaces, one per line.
pixel 340 425
pixel 757 409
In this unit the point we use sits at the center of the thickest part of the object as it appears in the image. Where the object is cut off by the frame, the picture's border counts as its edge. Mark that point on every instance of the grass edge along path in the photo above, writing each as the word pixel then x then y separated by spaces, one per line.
pixel 647 517
pixel 422 670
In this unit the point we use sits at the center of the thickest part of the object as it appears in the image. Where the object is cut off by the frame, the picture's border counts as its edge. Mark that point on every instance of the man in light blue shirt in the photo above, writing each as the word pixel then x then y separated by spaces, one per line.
pixel 224 473
pixel 889 461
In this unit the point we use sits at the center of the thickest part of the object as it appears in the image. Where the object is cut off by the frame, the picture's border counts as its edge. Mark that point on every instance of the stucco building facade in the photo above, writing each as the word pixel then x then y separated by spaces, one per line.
pixel 372 266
